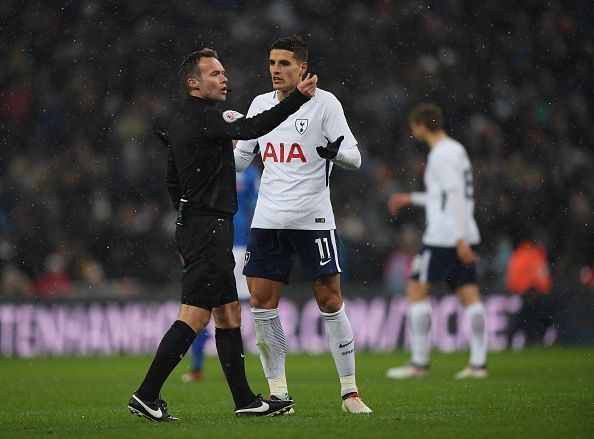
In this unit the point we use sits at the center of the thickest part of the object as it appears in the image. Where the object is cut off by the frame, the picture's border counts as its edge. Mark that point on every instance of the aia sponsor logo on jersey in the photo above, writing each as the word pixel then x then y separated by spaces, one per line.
pixel 282 154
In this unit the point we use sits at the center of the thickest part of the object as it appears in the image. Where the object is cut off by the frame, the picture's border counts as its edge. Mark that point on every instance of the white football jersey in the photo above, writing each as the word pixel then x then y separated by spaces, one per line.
pixel 449 202
pixel 295 188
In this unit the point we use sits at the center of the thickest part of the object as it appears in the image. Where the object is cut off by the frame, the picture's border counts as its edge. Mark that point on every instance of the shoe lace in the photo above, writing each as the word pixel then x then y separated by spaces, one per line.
pixel 286 397
pixel 162 404
pixel 354 395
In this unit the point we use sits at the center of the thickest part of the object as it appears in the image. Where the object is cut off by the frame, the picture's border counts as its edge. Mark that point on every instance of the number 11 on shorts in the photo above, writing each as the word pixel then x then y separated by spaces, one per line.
pixel 321 248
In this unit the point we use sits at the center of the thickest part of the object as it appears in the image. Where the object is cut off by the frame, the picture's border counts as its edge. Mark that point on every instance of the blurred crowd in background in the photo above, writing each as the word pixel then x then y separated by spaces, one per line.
pixel 83 203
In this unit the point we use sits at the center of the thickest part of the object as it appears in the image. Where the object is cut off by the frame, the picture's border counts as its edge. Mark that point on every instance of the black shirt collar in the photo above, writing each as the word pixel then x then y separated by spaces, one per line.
pixel 194 100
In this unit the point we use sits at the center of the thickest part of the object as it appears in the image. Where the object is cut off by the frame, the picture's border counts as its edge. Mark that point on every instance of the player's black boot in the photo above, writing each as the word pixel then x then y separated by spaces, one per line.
pixel 285 397
pixel 153 410
pixel 265 407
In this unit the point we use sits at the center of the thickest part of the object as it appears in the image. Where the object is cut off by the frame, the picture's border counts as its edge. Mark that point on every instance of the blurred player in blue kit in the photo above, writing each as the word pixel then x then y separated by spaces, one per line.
pixel 247 183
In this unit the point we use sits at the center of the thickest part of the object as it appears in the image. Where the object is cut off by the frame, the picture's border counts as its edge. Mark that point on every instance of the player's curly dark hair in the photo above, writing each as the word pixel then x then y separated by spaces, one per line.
pixel 428 114
pixel 295 44
pixel 189 66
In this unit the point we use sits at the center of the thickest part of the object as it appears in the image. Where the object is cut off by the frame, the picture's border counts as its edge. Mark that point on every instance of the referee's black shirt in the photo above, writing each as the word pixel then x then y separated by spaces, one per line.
pixel 201 167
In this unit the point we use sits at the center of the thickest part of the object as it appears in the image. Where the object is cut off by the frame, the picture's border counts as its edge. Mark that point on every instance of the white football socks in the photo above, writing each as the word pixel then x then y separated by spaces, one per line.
pixel 420 323
pixel 272 345
pixel 342 347
pixel 478 339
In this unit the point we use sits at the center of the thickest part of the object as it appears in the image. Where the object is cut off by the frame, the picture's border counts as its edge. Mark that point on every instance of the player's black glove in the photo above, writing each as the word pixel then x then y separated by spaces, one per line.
pixel 329 151
pixel 164 137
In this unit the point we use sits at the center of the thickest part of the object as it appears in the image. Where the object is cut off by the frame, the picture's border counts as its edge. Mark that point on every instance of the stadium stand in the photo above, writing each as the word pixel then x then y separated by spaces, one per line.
pixel 82 193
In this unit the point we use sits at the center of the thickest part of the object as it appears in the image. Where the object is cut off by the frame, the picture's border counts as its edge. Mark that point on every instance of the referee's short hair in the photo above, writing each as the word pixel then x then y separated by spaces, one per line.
pixel 295 44
pixel 428 114
pixel 189 67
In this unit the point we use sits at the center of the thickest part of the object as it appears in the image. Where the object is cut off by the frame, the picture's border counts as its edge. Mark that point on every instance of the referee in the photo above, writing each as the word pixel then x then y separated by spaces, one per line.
pixel 201 182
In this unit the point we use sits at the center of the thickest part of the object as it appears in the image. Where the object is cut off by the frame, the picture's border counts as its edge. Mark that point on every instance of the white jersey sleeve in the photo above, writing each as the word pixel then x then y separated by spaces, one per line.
pixel 242 159
pixel 418 198
pixel 335 125
pixel 349 158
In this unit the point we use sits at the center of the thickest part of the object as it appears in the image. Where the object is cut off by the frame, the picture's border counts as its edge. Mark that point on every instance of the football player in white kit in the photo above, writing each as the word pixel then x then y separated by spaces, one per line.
pixel 294 217
pixel 448 252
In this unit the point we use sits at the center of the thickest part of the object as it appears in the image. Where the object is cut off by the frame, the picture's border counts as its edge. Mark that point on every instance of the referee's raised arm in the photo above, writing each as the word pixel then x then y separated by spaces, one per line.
pixel 230 124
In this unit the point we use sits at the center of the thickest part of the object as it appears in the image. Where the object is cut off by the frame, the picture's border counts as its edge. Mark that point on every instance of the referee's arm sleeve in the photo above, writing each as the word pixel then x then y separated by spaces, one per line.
pixel 172 180
pixel 241 128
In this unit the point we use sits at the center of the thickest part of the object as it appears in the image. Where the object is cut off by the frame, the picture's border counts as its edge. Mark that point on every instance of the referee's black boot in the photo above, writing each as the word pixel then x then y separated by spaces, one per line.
pixel 265 407
pixel 153 410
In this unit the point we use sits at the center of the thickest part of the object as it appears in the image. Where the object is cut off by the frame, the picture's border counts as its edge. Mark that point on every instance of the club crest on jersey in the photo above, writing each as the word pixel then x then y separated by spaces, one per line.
pixel 231 116
pixel 301 125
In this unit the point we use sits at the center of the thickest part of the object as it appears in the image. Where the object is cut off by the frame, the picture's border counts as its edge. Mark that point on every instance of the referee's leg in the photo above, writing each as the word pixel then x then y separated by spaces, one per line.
pixel 177 340
pixel 174 345
pixel 230 349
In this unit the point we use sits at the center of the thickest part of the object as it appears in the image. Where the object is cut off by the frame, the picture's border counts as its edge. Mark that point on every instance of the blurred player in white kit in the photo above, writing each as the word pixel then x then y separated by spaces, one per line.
pixel 294 217
pixel 448 251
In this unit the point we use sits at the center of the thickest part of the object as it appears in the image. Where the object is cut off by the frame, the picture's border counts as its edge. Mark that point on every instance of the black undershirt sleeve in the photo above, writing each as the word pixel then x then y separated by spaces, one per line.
pixel 172 180
pixel 243 128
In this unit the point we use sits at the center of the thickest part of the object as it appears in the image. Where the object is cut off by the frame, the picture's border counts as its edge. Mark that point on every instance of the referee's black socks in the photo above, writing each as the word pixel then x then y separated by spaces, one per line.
pixel 173 346
pixel 230 349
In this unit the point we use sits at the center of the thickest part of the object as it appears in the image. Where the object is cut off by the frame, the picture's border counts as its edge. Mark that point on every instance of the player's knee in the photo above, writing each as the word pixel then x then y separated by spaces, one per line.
pixel 330 305
pixel 190 312
pixel 417 292
pixel 228 316
pixel 468 294
pixel 264 294
pixel 327 292
pixel 196 321
pixel 262 302
pixel 329 302
pixel 327 281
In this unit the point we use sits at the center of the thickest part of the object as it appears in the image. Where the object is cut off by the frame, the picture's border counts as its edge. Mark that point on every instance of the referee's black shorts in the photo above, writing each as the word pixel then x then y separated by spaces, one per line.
pixel 206 244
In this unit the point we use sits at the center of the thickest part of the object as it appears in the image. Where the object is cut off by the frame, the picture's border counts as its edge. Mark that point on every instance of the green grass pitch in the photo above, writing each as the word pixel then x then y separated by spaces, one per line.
pixel 536 393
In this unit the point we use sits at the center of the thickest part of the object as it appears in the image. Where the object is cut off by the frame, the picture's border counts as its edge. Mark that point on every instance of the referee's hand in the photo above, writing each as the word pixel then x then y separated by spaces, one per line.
pixel 163 136
pixel 307 87
pixel 329 151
